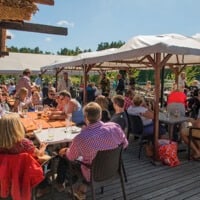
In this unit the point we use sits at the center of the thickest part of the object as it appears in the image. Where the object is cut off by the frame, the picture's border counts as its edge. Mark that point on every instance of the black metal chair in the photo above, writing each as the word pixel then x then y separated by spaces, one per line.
pixel 190 139
pixel 136 128
pixel 105 166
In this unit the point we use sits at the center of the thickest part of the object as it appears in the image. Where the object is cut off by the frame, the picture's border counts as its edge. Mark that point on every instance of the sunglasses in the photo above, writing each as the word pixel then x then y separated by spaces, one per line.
pixel 52 94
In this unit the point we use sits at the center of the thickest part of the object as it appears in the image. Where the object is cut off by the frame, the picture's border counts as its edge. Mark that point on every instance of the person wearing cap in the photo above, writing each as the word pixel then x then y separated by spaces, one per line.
pixel 64 83
pixel 25 81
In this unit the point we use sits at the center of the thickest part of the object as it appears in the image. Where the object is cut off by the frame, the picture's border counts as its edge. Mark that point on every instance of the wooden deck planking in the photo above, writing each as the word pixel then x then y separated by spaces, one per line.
pixel 149 182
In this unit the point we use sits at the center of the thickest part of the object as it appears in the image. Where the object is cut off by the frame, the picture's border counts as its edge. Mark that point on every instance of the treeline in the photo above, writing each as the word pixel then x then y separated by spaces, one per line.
pixel 66 51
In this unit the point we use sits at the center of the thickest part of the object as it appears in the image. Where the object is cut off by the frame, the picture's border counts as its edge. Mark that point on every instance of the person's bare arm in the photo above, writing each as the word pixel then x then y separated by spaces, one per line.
pixel 72 106
pixel 40 151
pixel 57 115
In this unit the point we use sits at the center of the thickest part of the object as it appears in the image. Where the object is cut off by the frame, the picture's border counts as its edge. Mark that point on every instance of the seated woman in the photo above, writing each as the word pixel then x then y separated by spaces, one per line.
pixel 22 100
pixel 13 141
pixel 146 115
pixel 13 138
pixel 3 101
pixel 195 145
pixel 35 100
pixel 69 106
pixel 103 102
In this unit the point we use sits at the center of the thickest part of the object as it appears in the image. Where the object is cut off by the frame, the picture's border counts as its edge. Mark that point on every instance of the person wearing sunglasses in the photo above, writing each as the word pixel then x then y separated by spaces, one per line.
pixel 69 105
pixel 50 101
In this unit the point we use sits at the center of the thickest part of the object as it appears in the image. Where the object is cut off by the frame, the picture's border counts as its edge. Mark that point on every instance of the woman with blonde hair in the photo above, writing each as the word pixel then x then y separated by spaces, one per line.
pixel 146 115
pixel 22 100
pixel 13 139
pixel 103 102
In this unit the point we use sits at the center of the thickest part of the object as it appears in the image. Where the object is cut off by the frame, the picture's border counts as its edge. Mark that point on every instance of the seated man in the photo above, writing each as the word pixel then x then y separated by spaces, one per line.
pixel 195 146
pixel 70 106
pixel 120 117
pixel 94 137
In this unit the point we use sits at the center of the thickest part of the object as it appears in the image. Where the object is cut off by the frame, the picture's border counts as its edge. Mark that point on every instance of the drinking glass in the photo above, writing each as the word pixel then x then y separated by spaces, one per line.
pixel 51 134
pixel 36 108
pixel 68 121
pixel 39 127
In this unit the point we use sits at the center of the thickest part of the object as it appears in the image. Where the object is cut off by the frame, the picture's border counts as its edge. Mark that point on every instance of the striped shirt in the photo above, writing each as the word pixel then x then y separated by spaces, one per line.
pixel 93 138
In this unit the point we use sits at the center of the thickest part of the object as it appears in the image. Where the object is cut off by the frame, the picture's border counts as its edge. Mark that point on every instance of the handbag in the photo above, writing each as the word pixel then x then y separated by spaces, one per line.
pixel 168 152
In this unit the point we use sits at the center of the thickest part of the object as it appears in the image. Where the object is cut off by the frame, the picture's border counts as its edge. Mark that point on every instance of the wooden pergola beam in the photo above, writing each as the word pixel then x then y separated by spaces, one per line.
pixel 30 27
pixel 46 2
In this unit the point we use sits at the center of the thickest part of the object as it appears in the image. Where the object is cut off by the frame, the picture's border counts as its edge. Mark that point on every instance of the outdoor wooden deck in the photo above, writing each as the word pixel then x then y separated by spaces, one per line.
pixel 146 181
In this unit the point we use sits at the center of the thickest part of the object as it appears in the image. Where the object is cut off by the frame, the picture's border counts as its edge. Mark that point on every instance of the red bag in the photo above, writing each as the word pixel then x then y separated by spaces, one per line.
pixel 168 152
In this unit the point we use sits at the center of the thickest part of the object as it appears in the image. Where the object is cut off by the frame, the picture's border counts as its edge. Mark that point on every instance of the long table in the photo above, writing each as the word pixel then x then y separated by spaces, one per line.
pixel 32 121
pixel 57 135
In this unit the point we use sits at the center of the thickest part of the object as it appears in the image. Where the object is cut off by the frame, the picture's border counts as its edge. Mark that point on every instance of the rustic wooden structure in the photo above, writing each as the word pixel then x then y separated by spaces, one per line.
pixel 13 13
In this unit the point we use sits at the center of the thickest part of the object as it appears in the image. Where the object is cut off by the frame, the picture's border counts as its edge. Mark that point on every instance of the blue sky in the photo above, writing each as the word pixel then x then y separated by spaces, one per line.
pixel 91 22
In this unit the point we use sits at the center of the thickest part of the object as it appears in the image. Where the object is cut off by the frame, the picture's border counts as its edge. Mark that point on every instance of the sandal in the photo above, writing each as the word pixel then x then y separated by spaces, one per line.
pixel 79 195
pixel 80 192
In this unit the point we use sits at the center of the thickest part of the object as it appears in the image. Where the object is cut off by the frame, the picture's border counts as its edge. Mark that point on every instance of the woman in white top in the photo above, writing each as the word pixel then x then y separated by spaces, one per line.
pixel 146 115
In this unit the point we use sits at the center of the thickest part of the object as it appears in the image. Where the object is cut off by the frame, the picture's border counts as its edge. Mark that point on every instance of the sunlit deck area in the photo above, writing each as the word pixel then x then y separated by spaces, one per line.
pixel 146 181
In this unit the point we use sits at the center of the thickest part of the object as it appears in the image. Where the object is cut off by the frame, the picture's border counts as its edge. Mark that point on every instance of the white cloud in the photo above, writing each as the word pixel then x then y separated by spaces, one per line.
pixel 9 33
pixel 65 23
pixel 48 39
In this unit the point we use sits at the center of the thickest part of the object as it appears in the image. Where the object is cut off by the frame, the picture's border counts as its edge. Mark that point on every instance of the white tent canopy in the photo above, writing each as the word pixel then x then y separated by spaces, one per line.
pixel 184 50
pixel 15 63
pixel 79 60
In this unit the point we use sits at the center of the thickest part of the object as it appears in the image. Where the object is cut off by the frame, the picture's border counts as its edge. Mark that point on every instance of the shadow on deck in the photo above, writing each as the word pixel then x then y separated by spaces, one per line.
pixel 146 181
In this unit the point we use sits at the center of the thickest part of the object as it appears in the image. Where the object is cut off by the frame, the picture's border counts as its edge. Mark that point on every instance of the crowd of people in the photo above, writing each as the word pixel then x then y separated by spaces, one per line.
pixel 104 120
